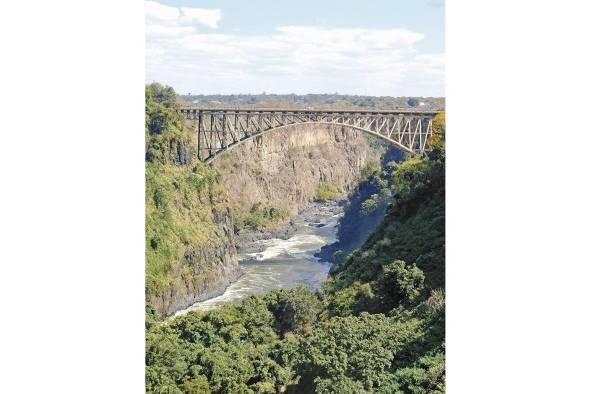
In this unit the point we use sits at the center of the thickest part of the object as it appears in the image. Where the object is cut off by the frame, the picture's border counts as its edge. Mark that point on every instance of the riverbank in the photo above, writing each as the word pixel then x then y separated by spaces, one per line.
pixel 247 241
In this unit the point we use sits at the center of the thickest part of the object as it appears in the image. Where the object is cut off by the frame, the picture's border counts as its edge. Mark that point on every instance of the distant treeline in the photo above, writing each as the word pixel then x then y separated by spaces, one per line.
pixel 315 101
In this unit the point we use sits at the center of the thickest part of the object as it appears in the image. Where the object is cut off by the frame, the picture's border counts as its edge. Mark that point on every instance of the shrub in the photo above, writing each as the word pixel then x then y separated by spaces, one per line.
pixel 326 192
pixel 260 216
pixel 369 205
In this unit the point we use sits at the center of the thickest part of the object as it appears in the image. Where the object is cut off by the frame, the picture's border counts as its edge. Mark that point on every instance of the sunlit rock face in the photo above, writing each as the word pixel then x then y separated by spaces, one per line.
pixel 283 168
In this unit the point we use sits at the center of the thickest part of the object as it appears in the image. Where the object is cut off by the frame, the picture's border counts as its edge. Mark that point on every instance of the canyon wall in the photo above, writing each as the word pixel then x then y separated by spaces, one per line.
pixel 283 168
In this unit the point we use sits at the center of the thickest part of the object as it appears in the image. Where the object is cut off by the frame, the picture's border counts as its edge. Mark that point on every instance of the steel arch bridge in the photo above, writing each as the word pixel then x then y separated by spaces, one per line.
pixel 219 130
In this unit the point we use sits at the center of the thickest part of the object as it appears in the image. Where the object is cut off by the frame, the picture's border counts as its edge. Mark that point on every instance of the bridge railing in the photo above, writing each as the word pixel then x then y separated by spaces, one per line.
pixel 190 109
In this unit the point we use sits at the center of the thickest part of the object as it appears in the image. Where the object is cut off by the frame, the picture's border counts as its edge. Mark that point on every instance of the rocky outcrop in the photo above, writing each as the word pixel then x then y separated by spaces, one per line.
pixel 180 154
pixel 283 168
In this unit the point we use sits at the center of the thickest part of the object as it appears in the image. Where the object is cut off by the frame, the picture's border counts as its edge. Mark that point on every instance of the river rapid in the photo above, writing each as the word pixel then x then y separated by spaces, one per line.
pixel 277 263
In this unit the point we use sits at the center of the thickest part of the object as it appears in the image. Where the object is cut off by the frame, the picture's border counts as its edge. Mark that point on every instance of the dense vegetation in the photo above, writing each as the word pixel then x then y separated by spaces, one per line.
pixel 181 194
pixel 376 326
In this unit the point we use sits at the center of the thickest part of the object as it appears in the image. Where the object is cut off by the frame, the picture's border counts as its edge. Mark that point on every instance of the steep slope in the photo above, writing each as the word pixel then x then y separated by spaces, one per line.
pixel 365 209
pixel 190 252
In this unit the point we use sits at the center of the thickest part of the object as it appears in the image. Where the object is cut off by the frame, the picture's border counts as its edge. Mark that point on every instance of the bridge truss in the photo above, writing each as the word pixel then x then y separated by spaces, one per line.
pixel 221 129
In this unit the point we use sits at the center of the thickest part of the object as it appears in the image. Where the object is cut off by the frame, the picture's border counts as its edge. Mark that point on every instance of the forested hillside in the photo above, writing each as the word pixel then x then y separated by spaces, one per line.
pixel 189 228
pixel 377 326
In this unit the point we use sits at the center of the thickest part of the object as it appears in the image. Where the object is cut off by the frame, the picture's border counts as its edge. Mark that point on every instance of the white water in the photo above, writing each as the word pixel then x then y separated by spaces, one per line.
pixel 281 263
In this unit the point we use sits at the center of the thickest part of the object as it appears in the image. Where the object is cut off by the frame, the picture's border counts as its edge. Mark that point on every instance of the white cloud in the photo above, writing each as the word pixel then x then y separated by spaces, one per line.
pixel 168 31
pixel 160 14
pixel 298 59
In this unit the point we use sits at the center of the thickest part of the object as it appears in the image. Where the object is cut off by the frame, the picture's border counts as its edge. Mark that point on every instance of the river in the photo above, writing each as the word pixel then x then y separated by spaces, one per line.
pixel 283 263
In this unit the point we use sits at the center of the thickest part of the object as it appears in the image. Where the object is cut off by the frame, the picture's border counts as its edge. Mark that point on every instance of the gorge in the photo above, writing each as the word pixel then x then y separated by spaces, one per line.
pixel 248 192
pixel 243 251
pixel 302 250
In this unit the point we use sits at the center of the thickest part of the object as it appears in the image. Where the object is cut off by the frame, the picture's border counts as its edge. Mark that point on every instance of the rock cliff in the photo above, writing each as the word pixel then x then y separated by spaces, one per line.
pixel 283 168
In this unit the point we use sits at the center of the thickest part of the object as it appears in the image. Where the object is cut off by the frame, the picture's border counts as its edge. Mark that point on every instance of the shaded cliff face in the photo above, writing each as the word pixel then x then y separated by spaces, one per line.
pixel 283 168
pixel 357 223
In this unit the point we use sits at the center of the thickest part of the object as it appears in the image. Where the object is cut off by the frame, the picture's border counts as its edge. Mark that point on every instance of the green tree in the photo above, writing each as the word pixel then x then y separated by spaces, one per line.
pixel 197 385
pixel 360 348
pixel 295 310
pixel 400 283
pixel 410 176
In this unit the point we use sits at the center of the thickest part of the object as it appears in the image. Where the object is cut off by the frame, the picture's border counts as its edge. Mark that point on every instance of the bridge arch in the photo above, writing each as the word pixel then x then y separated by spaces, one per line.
pixel 293 125
pixel 220 130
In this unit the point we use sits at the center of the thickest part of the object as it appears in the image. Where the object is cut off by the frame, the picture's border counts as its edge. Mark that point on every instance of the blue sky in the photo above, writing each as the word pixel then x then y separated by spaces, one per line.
pixel 378 47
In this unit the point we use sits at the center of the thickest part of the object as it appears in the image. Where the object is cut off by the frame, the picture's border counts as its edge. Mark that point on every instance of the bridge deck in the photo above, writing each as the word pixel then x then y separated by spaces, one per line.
pixel 308 111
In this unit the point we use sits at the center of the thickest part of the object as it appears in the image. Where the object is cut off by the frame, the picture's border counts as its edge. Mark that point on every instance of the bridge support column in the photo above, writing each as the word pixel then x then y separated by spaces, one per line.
pixel 199 135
